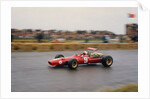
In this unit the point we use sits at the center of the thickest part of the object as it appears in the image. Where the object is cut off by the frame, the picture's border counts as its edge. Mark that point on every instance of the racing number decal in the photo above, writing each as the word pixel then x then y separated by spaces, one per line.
pixel 85 60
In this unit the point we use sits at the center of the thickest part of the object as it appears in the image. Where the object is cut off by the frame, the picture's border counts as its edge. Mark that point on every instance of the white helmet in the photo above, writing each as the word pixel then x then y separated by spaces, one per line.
pixel 85 53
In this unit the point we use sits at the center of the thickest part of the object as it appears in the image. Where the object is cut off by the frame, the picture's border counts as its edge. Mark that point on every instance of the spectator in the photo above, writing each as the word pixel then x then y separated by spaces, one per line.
pixel 106 38
pixel 135 38
pixel 12 38
pixel 121 38
pixel 86 39
pixel 40 37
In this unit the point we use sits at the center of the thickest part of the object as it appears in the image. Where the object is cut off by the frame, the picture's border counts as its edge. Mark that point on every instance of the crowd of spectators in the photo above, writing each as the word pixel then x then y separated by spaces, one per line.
pixel 105 36
pixel 67 35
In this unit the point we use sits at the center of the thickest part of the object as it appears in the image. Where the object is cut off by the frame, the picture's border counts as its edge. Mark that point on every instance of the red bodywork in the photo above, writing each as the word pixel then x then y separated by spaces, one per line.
pixel 82 59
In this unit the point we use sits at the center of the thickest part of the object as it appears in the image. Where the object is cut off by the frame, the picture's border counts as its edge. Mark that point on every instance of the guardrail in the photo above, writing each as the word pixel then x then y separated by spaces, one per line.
pixel 23 47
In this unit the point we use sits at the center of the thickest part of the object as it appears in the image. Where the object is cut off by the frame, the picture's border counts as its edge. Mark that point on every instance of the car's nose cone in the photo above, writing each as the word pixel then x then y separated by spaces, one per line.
pixel 53 62
pixel 49 62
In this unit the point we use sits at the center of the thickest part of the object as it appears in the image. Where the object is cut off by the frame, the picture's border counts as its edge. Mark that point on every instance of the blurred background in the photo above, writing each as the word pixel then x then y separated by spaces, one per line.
pixel 80 25
pixel 38 34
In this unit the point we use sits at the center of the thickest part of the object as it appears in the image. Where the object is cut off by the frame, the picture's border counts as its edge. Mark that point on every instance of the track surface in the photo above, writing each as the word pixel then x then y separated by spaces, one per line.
pixel 31 72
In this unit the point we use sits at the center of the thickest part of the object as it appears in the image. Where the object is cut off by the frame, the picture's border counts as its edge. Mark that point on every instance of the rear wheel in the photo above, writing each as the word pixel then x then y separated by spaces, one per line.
pixel 107 61
pixel 59 55
pixel 72 63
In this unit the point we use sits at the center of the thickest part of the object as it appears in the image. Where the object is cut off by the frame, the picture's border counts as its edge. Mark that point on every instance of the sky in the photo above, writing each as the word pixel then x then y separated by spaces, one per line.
pixel 73 18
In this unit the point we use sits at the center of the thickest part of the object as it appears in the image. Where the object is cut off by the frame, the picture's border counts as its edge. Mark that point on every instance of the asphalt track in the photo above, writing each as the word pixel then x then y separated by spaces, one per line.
pixel 30 72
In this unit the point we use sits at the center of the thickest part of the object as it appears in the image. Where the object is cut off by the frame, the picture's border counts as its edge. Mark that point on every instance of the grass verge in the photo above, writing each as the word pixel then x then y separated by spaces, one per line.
pixel 126 88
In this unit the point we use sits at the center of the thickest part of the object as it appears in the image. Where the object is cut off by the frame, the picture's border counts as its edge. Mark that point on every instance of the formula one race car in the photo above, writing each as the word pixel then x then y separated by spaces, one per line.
pixel 89 56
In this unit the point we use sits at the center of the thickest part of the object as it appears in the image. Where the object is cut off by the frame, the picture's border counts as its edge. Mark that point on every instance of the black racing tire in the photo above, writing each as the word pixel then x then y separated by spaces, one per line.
pixel 59 55
pixel 72 63
pixel 107 61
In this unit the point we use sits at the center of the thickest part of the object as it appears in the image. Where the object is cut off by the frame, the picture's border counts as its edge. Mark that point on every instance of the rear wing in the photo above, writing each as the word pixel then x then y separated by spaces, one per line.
pixel 90 48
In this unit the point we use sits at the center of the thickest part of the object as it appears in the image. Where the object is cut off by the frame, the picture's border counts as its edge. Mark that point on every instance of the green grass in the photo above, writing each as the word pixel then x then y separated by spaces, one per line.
pixel 126 88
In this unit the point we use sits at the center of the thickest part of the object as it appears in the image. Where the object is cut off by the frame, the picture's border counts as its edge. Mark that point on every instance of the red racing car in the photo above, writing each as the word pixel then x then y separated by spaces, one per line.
pixel 89 56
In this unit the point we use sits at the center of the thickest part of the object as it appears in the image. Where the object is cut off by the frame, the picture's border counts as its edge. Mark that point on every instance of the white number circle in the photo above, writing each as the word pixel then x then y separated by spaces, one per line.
pixel 60 62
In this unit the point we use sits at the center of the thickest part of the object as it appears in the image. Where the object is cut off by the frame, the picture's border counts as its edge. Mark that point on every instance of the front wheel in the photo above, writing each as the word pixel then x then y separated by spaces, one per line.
pixel 107 61
pixel 72 63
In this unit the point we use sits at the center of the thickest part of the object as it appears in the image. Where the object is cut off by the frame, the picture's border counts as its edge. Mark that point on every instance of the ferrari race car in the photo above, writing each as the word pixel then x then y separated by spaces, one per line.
pixel 89 56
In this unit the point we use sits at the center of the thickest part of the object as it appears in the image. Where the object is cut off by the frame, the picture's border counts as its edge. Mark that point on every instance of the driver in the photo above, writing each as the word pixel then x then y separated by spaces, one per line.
pixel 85 53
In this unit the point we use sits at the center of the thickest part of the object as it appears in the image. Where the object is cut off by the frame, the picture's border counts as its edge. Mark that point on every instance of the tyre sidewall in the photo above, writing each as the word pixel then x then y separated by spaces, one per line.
pixel 70 62
pixel 104 59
